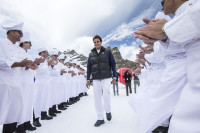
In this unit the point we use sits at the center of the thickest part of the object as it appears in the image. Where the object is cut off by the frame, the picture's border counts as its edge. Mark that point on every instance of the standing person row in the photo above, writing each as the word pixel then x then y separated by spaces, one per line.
pixel 20 96
pixel 185 117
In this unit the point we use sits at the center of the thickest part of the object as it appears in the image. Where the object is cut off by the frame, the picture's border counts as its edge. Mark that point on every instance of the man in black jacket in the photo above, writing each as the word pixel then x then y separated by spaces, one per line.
pixel 100 64
pixel 127 77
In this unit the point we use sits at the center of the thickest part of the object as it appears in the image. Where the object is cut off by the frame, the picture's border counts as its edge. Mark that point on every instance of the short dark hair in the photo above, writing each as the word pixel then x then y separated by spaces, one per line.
pixel 41 52
pixel 8 32
pixel 162 3
pixel 21 44
pixel 97 37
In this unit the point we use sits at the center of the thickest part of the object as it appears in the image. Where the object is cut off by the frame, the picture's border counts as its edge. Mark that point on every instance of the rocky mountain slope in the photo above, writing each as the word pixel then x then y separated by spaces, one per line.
pixel 120 62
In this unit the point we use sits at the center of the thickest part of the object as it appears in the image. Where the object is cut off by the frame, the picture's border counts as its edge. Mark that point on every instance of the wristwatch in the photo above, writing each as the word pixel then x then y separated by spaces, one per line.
pixel 163 31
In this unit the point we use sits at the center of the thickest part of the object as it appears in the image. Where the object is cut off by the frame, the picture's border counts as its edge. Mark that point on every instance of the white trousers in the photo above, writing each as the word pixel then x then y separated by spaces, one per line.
pixel 156 107
pixel 102 88
pixel 186 118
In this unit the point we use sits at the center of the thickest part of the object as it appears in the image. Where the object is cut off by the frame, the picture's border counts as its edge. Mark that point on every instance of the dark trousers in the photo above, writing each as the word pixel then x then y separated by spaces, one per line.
pixel 9 128
pixel 136 83
pixel 128 85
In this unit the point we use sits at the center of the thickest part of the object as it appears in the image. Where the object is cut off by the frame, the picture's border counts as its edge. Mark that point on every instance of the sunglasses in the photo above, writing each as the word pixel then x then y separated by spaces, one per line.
pixel 19 31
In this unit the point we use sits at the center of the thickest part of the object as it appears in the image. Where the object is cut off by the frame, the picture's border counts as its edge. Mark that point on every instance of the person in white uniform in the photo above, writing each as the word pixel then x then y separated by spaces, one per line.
pixel 75 95
pixel 63 92
pixel 68 82
pixel 27 81
pixel 54 83
pixel 83 81
pixel 101 65
pixel 41 98
pixel 11 62
pixel 68 77
pixel 186 116
pixel 79 81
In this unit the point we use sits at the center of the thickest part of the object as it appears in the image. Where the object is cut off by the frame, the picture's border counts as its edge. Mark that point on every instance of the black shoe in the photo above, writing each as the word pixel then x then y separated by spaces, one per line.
pixel 65 105
pixel 108 116
pixel 20 129
pixel 62 108
pixel 70 103
pixel 46 117
pixel 29 127
pixel 98 123
pixel 57 112
pixel 37 123
pixel 161 129
pixel 51 113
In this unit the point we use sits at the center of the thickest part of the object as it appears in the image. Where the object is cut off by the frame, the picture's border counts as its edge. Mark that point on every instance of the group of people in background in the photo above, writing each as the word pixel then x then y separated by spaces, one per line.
pixel 128 77
pixel 35 89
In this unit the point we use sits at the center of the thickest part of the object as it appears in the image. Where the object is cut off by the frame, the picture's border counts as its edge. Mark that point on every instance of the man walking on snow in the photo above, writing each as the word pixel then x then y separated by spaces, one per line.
pixel 100 63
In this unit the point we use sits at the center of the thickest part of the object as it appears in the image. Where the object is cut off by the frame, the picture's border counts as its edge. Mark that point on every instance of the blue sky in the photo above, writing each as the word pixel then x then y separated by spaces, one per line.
pixel 69 24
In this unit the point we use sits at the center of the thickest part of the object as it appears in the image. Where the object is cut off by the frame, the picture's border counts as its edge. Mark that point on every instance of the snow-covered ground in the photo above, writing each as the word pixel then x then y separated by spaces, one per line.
pixel 80 117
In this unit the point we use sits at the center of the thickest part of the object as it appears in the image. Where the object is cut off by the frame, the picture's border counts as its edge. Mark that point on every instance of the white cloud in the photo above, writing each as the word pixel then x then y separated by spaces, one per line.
pixel 126 29
pixel 128 52
pixel 60 23
pixel 82 45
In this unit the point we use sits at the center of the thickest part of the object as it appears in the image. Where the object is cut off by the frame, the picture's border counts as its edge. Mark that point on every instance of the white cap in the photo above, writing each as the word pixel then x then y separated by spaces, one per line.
pixel 62 56
pixel 78 64
pixel 82 66
pixel 161 15
pixel 54 52
pixel 26 37
pixel 74 61
pixel 41 49
pixel 12 26
pixel 66 60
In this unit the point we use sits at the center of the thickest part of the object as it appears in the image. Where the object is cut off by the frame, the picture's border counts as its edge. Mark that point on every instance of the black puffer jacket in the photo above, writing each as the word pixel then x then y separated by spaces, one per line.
pixel 100 64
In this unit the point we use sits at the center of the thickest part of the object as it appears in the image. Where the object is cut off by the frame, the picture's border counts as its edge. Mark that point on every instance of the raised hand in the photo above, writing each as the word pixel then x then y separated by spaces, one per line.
pixel 26 63
pixel 153 30
pixel 39 60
